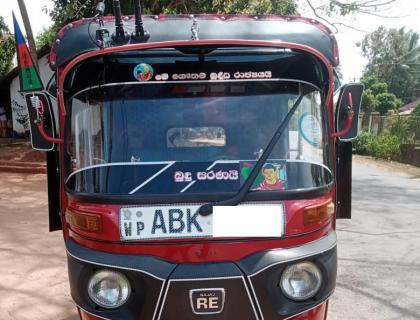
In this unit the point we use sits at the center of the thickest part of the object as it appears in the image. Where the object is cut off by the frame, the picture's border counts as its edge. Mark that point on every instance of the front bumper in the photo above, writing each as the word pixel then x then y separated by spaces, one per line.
pixel 161 290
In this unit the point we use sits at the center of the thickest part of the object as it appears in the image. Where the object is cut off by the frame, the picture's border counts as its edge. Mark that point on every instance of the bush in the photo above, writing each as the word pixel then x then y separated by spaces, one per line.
pixel 360 145
pixel 400 127
pixel 386 146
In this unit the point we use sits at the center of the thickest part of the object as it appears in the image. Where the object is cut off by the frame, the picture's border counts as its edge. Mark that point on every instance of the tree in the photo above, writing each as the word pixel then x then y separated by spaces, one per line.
pixel 386 101
pixel 333 11
pixel 65 11
pixel 46 37
pixel 368 101
pixel 394 58
pixel 7 48
pixel 376 96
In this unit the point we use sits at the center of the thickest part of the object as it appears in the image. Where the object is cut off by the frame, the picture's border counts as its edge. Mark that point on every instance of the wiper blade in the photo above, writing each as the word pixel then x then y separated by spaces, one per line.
pixel 207 209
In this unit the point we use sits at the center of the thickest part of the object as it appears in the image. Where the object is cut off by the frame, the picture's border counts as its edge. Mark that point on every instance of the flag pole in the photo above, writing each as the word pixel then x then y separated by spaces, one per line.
pixel 29 34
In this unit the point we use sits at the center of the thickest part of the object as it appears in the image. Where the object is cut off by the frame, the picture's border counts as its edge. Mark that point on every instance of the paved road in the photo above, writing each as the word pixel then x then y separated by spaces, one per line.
pixel 379 248
pixel 379 251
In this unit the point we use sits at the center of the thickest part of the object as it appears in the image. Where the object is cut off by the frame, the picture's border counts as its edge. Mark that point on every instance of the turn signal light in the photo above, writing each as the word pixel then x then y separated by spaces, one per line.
pixel 84 221
pixel 318 213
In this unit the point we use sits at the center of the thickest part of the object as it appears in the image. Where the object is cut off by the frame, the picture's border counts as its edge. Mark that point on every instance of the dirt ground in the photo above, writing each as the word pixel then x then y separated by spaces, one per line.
pixel 33 271
pixel 20 151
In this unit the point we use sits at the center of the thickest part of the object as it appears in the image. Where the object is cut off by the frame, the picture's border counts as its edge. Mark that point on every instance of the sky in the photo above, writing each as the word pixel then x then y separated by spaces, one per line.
pixel 407 13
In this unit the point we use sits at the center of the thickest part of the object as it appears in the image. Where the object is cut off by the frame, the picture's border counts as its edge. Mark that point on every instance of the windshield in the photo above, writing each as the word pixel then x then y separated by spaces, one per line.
pixel 187 137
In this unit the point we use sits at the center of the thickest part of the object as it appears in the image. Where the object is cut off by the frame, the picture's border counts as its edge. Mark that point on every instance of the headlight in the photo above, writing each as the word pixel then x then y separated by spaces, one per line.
pixel 301 281
pixel 109 289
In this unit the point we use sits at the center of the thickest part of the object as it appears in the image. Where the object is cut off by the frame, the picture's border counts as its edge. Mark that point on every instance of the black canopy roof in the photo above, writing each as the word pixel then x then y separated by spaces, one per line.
pixel 78 37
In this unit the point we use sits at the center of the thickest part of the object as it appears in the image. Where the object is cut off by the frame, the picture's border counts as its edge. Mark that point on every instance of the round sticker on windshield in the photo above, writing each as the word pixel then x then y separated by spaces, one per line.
pixel 143 72
pixel 310 129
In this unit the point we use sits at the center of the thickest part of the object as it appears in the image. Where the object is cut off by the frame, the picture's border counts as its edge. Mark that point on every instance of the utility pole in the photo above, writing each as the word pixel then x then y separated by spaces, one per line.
pixel 29 34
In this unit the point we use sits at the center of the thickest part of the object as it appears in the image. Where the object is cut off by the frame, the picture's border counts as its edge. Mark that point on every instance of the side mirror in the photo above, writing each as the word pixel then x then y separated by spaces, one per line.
pixel 347 111
pixel 42 124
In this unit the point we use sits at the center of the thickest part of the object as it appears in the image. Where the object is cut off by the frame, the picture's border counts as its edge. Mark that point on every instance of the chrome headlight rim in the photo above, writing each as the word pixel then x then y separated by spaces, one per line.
pixel 103 274
pixel 317 275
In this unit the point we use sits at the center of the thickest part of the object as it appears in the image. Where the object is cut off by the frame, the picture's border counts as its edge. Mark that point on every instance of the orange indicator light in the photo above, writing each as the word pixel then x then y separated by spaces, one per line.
pixel 318 214
pixel 84 221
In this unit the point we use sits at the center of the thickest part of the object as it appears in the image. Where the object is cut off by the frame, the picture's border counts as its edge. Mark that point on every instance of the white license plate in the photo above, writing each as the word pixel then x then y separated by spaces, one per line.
pixel 168 222
pixel 162 222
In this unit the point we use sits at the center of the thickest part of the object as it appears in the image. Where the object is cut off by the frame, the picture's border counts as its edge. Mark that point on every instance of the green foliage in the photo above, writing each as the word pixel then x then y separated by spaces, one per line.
pixel 376 96
pixel 386 146
pixel 46 37
pixel 7 49
pixel 416 111
pixel 394 58
pixel 360 145
pixel 368 101
pixel 401 128
pixel 369 80
pixel 385 102
pixel 379 87
pixel 65 11
pixel 3 28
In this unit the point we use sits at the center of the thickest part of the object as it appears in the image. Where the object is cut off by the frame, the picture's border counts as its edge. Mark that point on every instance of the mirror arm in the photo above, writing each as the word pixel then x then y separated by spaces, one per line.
pixel 349 120
pixel 347 126
pixel 44 134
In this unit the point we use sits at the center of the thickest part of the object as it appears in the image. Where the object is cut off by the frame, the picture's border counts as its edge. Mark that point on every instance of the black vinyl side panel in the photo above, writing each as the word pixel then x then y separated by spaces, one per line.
pixel 146 275
pixel 53 177
pixel 275 305
pixel 344 177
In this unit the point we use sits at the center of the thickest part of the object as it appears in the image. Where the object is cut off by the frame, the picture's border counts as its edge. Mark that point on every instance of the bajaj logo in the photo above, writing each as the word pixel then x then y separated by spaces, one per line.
pixel 207 301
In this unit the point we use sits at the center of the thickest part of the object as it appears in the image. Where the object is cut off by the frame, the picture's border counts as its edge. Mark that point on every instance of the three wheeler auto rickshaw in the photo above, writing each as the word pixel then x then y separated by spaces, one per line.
pixel 198 164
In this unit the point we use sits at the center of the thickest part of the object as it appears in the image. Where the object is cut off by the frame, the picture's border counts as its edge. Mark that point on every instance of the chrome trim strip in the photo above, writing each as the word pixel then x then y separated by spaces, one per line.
pixel 163 301
pixel 158 300
pixel 185 81
pixel 256 299
pixel 311 162
pixel 306 250
pixel 115 267
pixel 250 298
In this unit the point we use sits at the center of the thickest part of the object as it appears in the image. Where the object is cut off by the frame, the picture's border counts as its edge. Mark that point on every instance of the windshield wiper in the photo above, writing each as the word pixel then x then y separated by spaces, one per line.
pixel 207 209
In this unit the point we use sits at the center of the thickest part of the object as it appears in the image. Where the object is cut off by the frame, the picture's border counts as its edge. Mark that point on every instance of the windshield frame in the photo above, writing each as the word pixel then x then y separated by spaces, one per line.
pixel 327 102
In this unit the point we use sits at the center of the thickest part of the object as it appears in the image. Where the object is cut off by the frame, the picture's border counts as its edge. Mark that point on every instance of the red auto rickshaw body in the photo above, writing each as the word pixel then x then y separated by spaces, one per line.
pixel 194 89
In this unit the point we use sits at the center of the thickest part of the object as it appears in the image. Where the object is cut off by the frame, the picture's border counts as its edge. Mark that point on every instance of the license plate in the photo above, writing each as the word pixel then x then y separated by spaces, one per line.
pixel 169 222
pixel 164 222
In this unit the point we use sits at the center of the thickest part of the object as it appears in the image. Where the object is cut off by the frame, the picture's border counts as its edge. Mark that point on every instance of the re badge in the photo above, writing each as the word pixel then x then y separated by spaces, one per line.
pixel 207 301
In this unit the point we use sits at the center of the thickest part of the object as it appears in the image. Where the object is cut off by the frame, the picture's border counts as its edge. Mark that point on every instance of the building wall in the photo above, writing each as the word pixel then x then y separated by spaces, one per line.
pixel 18 103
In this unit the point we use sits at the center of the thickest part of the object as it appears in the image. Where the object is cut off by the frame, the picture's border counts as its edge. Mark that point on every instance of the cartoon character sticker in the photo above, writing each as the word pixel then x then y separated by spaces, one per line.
pixel 272 176
pixel 143 72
